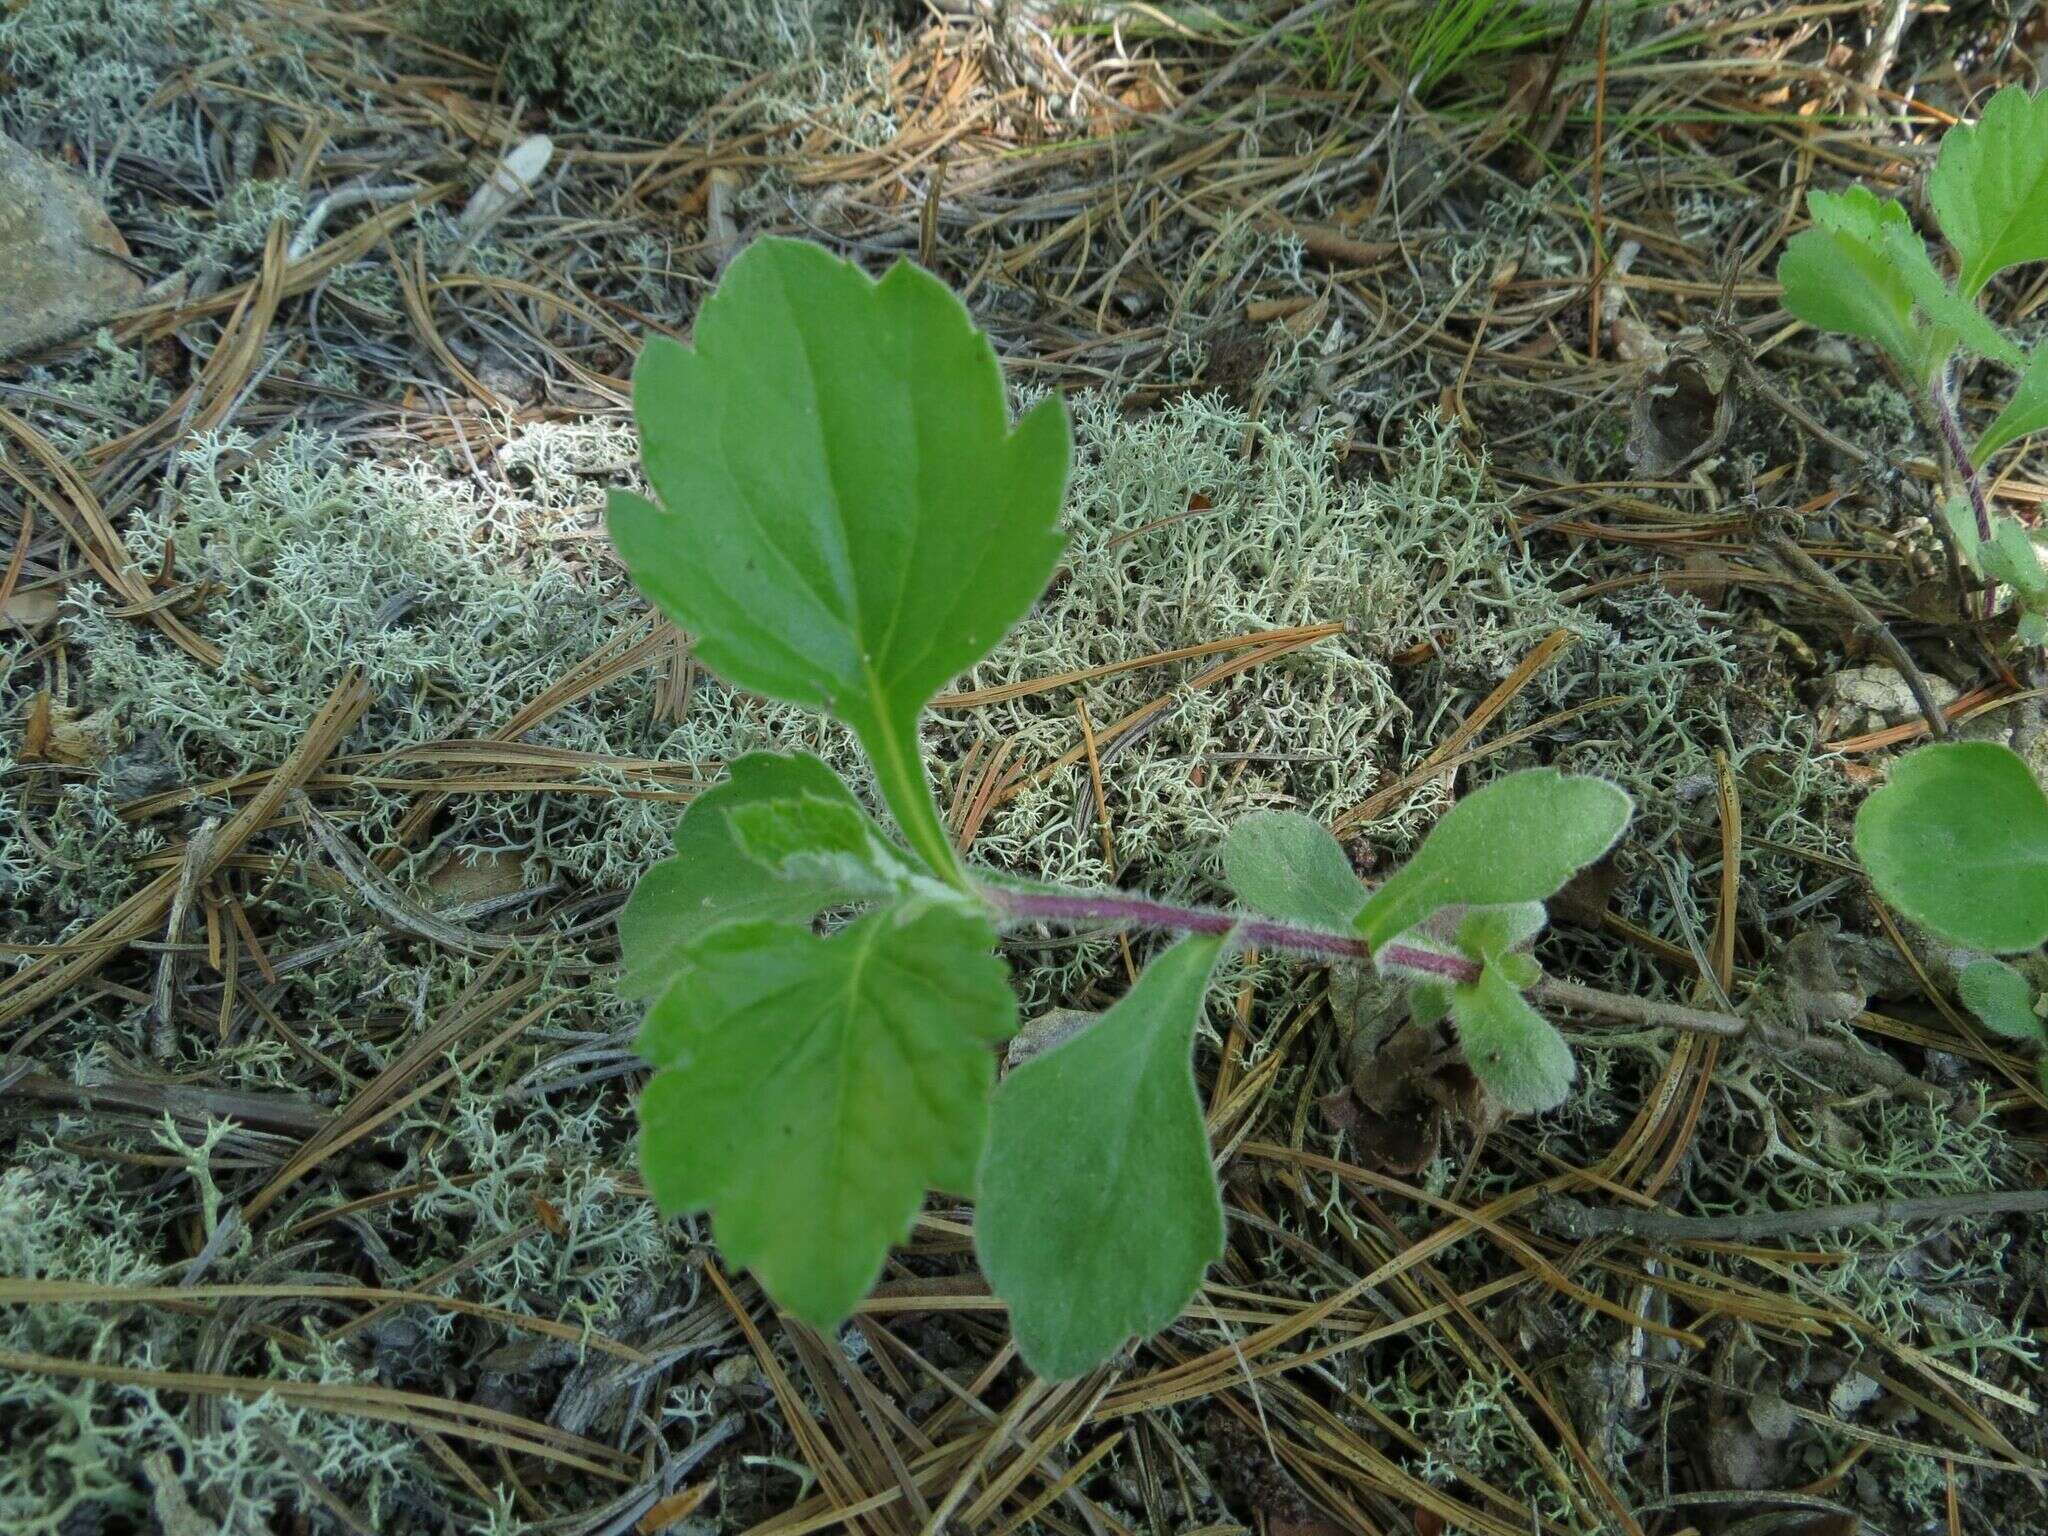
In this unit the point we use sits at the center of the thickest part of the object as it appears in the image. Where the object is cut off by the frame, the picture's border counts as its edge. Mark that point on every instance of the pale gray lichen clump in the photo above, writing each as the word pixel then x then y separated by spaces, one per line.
pixel 645 67
pixel 91 69
pixel 73 1447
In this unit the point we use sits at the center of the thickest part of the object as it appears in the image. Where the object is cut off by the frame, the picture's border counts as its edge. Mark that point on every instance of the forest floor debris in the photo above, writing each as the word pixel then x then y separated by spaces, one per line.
pixel 334 738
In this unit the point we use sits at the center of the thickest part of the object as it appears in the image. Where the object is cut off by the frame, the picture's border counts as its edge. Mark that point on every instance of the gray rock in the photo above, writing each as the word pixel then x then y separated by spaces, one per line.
pixel 61 259
pixel 1877 696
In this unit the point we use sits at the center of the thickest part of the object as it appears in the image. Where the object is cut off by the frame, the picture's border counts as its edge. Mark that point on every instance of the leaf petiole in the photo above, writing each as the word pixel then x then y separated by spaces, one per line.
pixel 899 772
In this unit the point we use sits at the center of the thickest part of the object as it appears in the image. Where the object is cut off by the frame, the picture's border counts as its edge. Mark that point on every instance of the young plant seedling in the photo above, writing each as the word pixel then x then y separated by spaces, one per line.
pixel 1958 839
pixel 1862 270
pixel 848 519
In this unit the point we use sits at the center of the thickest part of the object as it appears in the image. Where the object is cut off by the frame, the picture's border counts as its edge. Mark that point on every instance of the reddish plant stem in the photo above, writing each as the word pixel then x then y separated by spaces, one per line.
pixel 1959 452
pixel 1973 487
pixel 1111 907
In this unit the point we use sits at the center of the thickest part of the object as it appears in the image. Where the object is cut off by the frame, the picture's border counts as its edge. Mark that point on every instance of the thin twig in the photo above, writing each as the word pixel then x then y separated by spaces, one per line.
pixel 1801 563
pixel 170 965
pixel 1871 1064
pixel 1641 1010
pixel 1574 1219
pixel 1758 380
pixel 382 898
pixel 1885 47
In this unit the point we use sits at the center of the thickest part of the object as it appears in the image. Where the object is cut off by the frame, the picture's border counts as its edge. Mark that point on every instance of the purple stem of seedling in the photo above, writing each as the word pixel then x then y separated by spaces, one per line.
pixel 1952 434
pixel 1136 911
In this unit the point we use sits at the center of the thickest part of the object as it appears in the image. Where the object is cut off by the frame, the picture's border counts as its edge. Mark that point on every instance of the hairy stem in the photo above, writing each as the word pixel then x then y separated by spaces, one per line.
pixel 1141 912
pixel 1973 487
pixel 1959 452
pixel 1116 909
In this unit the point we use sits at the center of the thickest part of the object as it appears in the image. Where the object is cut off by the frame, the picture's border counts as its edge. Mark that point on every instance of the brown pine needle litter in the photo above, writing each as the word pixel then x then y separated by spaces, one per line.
pixel 335 739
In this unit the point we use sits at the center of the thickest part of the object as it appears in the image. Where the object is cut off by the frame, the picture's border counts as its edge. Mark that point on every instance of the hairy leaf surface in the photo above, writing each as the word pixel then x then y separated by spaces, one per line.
pixel 1098 1209
pixel 1289 866
pixel 812 1089
pixel 1516 1052
pixel 1518 839
pixel 2003 1001
pixel 847 519
pixel 1957 839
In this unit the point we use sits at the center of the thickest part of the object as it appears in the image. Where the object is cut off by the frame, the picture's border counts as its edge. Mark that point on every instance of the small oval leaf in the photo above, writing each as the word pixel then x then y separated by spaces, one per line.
pixel 1510 1047
pixel 2003 1001
pixel 1518 839
pixel 1958 841
pixel 1285 865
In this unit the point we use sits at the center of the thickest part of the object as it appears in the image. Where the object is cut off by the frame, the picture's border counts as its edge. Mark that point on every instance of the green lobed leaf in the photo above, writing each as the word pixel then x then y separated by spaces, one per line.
pixel 1098 1211
pixel 2003 1000
pixel 832 843
pixel 812 1089
pixel 1288 866
pixel 1958 841
pixel 847 518
pixel 1518 839
pixel 1943 307
pixel 1989 187
pixel 711 881
pixel 2025 413
pixel 1510 1047
pixel 1839 275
